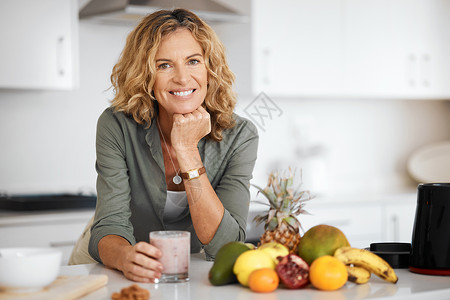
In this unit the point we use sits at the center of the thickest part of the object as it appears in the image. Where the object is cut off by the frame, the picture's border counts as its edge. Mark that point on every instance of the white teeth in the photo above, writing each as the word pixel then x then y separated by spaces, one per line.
pixel 185 93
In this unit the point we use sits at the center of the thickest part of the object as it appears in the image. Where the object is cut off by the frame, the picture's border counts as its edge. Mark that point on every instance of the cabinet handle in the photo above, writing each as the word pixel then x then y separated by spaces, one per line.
pixel 395 228
pixel 266 59
pixel 425 70
pixel 61 56
pixel 411 69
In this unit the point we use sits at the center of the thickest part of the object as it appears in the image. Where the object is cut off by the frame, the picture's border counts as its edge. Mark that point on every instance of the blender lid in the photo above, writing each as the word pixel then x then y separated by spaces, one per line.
pixel 395 254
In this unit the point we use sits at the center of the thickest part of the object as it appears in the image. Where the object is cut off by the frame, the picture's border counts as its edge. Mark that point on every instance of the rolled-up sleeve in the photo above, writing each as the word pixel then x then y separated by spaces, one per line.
pixel 233 188
pixel 112 215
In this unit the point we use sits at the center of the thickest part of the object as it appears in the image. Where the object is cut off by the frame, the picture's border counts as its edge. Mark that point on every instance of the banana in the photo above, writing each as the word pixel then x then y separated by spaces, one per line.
pixel 367 260
pixel 357 275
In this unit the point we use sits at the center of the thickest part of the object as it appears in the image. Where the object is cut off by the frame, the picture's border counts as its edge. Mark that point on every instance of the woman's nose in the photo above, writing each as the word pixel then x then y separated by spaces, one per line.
pixel 181 75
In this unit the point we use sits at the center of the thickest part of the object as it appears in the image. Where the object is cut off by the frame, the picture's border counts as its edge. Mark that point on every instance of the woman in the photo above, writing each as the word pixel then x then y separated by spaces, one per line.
pixel 171 154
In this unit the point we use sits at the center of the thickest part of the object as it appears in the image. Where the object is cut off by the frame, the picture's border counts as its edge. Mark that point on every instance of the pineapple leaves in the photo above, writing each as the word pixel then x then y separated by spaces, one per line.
pixel 285 203
pixel 259 219
pixel 293 222
pixel 273 224
pixel 267 193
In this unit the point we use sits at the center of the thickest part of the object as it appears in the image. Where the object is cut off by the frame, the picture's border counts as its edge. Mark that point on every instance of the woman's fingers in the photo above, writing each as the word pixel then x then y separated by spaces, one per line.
pixel 195 115
pixel 203 111
pixel 139 273
pixel 147 249
pixel 141 263
pixel 189 128
pixel 136 278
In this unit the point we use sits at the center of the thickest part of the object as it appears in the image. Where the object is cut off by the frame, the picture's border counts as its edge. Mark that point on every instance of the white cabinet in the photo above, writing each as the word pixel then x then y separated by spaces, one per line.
pixel 364 219
pixel 39 44
pixel 360 222
pixel 297 47
pixel 351 48
pixel 399 222
pixel 48 229
pixel 397 49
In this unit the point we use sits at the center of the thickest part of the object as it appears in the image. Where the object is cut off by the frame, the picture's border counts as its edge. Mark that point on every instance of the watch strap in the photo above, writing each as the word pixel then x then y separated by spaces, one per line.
pixel 194 173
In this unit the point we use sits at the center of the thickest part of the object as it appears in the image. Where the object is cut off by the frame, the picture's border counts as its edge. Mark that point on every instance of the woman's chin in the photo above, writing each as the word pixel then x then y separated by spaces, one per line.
pixel 185 109
pixel 180 108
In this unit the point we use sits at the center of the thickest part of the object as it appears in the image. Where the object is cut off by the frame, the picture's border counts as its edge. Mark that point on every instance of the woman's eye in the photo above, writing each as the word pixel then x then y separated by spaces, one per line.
pixel 194 61
pixel 163 66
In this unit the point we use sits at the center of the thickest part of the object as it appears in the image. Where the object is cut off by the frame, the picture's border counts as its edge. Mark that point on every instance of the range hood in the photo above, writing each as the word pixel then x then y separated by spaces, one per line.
pixel 131 11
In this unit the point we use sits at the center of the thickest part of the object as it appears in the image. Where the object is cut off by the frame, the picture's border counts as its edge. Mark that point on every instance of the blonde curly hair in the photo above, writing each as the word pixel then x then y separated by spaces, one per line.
pixel 133 76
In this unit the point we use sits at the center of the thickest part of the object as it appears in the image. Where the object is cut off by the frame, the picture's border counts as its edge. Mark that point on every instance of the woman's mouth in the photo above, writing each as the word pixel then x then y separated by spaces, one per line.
pixel 182 93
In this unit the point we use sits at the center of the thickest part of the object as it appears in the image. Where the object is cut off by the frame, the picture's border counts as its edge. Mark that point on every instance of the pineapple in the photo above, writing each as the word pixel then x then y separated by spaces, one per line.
pixel 281 223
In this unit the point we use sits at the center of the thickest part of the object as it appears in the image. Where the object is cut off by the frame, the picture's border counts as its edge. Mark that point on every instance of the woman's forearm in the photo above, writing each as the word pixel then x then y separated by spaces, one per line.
pixel 205 207
pixel 110 249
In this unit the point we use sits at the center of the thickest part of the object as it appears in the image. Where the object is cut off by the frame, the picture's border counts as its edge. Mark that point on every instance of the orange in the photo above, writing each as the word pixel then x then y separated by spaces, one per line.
pixel 263 280
pixel 327 273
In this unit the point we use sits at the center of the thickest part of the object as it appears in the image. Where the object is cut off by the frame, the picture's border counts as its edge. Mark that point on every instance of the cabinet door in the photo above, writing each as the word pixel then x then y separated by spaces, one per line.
pixel 437 72
pixel 399 222
pixel 39 40
pixel 297 47
pixel 395 49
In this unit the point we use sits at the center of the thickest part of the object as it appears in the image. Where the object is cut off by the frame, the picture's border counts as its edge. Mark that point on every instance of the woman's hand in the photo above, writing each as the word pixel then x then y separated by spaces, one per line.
pixel 189 129
pixel 139 262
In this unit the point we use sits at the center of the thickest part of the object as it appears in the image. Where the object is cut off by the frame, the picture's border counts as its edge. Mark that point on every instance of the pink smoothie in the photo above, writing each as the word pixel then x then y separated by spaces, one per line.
pixel 175 247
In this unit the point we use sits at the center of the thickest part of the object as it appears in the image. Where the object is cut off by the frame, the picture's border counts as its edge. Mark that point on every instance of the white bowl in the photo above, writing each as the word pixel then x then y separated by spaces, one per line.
pixel 28 269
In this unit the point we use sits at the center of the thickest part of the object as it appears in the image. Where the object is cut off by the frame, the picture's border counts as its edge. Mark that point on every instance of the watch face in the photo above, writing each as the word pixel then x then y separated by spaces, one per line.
pixel 193 174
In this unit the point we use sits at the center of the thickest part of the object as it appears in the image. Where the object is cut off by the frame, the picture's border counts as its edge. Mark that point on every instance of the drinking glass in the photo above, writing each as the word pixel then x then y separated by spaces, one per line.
pixel 175 247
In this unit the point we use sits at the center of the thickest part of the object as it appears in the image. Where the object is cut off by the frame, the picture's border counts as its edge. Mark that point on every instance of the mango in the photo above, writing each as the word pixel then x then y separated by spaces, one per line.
pixel 221 272
pixel 321 240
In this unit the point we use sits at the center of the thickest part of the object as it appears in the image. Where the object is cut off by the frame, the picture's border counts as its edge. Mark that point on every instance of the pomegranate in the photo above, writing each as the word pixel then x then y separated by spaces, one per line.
pixel 293 271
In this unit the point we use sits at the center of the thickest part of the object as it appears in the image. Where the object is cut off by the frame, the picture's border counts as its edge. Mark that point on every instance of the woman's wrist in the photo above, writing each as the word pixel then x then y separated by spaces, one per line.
pixel 189 159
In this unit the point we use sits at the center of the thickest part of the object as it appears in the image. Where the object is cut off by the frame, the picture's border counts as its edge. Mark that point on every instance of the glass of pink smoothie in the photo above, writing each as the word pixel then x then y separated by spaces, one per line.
pixel 175 247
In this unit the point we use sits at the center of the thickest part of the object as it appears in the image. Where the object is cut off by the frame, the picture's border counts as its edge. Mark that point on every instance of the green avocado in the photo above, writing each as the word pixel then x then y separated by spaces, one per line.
pixel 221 272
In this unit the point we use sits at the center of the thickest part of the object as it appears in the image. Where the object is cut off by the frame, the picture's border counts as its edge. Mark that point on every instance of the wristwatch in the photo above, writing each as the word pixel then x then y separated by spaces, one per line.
pixel 195 173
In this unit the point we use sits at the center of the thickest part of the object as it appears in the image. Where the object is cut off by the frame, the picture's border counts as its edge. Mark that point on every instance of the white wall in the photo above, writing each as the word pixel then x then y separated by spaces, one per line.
pixel 48 137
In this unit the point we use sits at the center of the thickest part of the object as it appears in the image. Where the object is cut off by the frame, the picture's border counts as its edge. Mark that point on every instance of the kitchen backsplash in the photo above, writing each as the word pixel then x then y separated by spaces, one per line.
pixel 48 137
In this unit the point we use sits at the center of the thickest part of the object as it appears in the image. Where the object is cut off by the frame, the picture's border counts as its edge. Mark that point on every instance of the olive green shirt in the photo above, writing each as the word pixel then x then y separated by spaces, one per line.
pixel 131 184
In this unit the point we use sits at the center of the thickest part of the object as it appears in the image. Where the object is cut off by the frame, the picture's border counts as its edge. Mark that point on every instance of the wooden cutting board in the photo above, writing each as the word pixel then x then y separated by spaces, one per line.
pixel 63 288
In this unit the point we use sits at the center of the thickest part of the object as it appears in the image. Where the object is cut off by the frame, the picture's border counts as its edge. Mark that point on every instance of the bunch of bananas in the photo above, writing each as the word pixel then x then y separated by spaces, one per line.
pixel 361 263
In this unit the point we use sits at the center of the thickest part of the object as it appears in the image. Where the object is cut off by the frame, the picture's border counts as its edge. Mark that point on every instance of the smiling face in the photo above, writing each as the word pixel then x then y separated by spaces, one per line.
pixel 181 77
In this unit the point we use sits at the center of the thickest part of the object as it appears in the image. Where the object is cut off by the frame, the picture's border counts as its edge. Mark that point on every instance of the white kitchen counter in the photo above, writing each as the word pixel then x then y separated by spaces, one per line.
pixel 364 219
pixel 409 286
